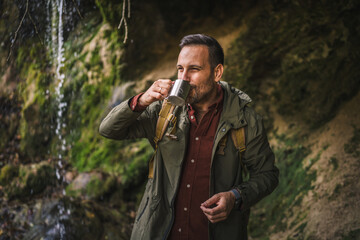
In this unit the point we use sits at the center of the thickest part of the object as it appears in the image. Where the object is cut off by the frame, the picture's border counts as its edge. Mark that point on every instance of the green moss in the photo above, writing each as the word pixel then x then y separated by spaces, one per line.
pixel 294 183
pixel 8 172
pixel 299 233
pixel 354 234
pixel 352 147
pixel 9 122
pixel 87 104
pixel 30 181
pixel 110 11
pixel 39 109
pixel 334 162
pixel 98 188
pixel 337 189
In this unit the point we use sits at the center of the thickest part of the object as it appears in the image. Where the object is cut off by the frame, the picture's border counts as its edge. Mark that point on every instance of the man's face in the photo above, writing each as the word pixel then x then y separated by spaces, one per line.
pixel 193 65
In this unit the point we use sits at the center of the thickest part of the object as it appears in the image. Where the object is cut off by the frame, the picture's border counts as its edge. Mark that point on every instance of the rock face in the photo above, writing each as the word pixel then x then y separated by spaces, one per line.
pixel 93 186
pixel 22 182
pixel 297 60
pixel 63 219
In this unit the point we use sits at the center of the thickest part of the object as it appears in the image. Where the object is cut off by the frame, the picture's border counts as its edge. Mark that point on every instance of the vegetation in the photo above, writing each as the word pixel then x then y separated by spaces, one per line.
pixel 352 147
pixel 294 183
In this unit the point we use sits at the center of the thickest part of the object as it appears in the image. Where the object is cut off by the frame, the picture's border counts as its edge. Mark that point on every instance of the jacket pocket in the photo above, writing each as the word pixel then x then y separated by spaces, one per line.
pixel 143 210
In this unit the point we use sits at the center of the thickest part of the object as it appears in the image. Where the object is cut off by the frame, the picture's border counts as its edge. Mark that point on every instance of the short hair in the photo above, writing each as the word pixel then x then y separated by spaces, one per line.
pixel 216 53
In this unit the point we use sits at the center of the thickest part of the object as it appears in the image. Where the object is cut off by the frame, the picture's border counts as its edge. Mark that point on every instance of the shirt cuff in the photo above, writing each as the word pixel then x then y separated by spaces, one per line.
pixel 135 105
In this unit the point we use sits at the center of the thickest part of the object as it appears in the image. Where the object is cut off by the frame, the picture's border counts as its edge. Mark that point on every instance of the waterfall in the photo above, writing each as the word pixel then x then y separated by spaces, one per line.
pixel 57 52
pixel 57 47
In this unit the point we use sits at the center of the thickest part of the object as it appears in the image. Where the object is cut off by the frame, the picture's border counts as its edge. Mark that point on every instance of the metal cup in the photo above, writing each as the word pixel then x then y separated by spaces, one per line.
pixel 179 92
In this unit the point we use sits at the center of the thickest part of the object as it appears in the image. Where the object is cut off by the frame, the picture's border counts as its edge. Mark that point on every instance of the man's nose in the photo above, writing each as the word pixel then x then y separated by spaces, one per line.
pixel 185 75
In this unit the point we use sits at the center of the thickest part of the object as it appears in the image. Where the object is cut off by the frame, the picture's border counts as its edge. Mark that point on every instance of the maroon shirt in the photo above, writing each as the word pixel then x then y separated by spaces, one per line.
pixel 190 222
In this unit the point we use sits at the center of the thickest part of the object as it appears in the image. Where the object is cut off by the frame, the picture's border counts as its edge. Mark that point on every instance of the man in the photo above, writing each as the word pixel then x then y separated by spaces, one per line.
pixel 196 189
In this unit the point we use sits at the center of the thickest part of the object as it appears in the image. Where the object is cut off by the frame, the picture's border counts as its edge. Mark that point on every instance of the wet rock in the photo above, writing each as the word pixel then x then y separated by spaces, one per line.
pixel 64 219
pixel 92 185
pixel 30 180
pixel 69 176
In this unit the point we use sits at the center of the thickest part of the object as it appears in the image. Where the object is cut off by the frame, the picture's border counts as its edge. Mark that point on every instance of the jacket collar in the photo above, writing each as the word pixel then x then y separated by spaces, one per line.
pixel 234 102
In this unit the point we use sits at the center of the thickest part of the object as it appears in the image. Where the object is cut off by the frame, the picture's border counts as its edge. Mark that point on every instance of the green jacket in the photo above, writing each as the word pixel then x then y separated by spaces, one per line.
pixel 155 215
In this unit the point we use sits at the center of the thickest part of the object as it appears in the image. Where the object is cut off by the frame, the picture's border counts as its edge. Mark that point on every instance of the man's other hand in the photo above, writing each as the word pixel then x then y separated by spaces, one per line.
pixel 218 207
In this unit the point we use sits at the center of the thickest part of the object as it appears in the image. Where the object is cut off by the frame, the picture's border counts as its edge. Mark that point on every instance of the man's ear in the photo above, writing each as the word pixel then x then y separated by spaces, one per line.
pixel 218 72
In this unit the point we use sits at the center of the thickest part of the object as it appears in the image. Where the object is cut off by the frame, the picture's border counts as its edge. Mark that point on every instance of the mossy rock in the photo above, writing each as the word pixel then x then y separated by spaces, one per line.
pixel 8 172
pixel 31 180
pixel 93 185
pixel 64 219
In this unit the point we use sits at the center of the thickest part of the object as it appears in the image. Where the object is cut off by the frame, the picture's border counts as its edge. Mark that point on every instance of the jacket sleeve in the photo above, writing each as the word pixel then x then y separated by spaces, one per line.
pixel 123 123
pixel 259 160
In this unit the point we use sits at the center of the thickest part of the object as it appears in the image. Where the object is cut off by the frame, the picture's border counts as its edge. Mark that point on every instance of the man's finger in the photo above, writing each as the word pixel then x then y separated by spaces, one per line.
pixel 213 200
pixel 213 211
pixel 215 219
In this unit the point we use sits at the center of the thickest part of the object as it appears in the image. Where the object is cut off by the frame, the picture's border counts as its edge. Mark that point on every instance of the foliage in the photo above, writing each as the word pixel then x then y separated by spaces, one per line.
pixel 29 181
pixel 334 162
pixel 352 147
pixel 110 11
pixel 10 117
pixel 39 109
pixel 355 234
pixel 8 172
pixel 272 213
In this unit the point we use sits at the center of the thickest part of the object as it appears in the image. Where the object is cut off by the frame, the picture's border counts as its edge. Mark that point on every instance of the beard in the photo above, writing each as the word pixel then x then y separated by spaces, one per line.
pixel 202 92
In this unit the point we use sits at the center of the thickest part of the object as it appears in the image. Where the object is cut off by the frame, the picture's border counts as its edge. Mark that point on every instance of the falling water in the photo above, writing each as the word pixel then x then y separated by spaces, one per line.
pixel 57 47
pixel 58 52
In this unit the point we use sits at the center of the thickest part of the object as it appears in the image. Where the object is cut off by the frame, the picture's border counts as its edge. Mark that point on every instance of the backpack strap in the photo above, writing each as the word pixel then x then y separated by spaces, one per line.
pixel 222 145
pixel 165 116
pixel 238 138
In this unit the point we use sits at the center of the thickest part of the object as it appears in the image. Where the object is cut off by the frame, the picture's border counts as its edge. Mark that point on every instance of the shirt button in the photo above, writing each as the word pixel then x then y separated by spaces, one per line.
pixel 179 229
pixel 185 209
pixel 188 186
pixel 192 117
pixel 223 130
pixel 196 138
pixel 192 160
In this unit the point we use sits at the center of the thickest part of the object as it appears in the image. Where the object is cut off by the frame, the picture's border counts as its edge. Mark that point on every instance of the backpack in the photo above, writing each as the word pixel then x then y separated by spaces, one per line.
pixel 166 115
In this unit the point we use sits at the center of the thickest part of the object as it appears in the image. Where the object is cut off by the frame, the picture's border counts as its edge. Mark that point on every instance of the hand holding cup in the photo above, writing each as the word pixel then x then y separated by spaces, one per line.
pixel 159 90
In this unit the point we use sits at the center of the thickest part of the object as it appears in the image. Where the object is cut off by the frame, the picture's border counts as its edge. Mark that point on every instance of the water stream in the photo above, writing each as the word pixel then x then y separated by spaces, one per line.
pixel 58 55
pixel 57 46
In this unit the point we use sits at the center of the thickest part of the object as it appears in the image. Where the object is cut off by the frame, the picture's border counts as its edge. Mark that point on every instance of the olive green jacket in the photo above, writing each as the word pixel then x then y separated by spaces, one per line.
pixel 155 215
